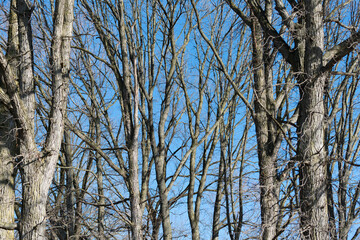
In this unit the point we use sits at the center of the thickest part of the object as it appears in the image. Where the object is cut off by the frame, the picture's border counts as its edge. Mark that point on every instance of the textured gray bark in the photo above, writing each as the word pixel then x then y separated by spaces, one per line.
pixel 7 188
pixel 265 135
pixel 216 225
pixel 38 167
pixel 70 191
pixel 311 145
pixel 164 207
pixel 7 141
pixel 130 107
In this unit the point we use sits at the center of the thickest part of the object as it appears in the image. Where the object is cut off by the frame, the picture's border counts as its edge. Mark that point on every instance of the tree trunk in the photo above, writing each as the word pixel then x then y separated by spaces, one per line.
pixel 33 212
pixel 136 214
pixel 193 216
pixel 130 108
pixel 311 147
pixel 70 191
pixel 7 140
pixel 216 225
pixel 38 167
pixel 7 193
pixel 269 189
pixel 164 207
pixel 313 177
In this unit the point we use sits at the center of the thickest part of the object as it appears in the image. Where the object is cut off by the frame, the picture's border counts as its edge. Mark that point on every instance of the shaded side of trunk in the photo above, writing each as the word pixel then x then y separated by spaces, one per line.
pixel 70 191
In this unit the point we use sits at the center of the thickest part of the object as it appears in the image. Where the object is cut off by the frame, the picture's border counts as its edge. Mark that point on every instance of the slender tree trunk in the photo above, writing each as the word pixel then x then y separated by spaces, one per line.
pixel 329 190
pixel 70 191
pixel 100 184
pixel 216 225
pixel 193 217
pixel 136 214
pixel 164 207
pixel 130 108
pixel 269 190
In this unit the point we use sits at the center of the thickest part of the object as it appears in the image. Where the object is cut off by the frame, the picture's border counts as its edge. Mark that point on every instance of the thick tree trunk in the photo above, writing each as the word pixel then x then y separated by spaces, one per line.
pixel 311 147
pixel 7 193
pixel 38 167
pixel 7 140
pixel 313 176
pixel 33 212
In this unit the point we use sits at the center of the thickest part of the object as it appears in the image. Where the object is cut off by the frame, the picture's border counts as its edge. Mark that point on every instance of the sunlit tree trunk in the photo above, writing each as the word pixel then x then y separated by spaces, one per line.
pixel 7 140
pixel 130 108
pixel 7 191
pixel 265 135
pixel 311 147
pixel 37 168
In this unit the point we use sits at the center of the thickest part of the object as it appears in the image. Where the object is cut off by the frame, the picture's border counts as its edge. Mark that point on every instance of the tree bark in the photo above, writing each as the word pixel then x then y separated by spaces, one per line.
pixel 70 191
pixel 265 135
pixel 7 140
pixel 216 225
pixel 7 183
pixel 38 167
pixel 130 108
pixel 311 147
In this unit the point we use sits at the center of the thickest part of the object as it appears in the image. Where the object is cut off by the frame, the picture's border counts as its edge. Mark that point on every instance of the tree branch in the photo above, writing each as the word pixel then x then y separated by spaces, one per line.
pixel 240 13
pixel 9 226
pixel 335 54
pixel 290 55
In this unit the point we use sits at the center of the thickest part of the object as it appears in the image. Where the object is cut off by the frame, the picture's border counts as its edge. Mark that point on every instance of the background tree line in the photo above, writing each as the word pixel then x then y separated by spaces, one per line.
pixel 179 119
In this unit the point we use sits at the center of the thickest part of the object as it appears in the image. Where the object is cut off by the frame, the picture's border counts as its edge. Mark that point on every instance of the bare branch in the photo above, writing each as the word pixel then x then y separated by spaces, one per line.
pixel 9 226
pixel 336 53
